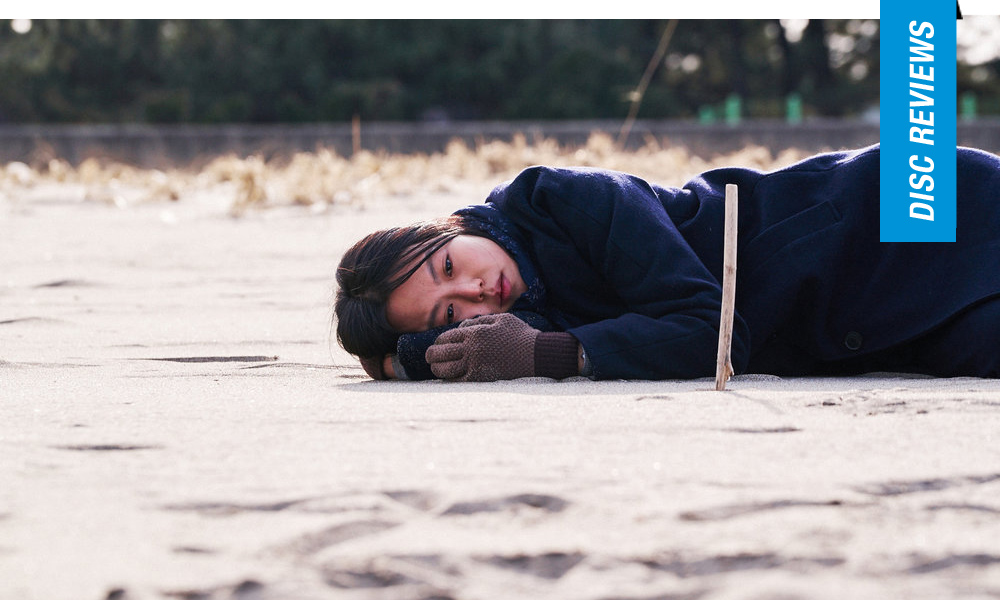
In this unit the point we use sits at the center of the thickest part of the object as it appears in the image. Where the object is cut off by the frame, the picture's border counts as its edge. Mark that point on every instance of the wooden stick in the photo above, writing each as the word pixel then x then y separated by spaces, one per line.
pixel 723 360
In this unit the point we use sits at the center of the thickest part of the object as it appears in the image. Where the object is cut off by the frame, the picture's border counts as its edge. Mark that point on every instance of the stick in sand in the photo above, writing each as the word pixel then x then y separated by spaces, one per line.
pixel 723 360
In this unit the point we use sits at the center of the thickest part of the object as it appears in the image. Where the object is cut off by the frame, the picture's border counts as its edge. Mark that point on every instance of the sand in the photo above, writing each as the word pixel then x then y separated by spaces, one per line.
pixel 175 423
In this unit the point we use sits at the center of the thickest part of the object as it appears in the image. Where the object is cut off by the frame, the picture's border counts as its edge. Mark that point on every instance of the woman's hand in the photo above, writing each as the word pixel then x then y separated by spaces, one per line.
pixel 491 348
pixel 487 348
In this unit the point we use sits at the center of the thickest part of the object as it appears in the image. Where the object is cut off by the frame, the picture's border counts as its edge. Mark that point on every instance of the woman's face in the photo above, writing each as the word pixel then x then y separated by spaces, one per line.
pixel 468 277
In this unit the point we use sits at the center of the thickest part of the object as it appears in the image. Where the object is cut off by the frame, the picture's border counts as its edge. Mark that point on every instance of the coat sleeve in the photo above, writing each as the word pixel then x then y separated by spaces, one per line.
pixel 615 228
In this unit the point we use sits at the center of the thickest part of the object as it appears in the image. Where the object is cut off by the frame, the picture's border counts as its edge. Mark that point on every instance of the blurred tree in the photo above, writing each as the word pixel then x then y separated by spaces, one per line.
pixel 208 71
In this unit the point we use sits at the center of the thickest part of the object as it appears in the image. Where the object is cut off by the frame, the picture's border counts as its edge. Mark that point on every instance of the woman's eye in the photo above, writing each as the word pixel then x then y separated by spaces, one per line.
pixel 451 313
pixel 447 266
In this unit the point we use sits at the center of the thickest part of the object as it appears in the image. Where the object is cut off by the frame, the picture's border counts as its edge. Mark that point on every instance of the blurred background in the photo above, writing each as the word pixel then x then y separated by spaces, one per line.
pixel 158 93
pixel 162 71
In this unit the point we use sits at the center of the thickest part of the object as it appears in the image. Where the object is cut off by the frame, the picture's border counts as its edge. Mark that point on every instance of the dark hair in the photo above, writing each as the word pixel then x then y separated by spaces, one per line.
pixel 375 266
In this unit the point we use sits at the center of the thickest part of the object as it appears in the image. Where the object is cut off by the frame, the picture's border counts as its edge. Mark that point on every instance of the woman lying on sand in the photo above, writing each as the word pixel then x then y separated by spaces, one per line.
pixel 565 272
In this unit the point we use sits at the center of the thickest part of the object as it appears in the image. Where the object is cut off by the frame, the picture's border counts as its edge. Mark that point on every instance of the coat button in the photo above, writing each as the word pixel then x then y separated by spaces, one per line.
pixel 853 340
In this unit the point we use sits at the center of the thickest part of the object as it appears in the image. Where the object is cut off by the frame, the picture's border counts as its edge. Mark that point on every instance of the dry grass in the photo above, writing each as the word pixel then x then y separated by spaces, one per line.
pixel 322 179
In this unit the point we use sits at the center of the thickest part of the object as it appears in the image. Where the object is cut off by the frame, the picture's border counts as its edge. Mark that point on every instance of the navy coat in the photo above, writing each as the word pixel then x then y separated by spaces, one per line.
pixel 633 269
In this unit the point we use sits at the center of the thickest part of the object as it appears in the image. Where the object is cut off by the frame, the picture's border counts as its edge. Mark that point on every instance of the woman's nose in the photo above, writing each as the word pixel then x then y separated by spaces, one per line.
pixel 471 290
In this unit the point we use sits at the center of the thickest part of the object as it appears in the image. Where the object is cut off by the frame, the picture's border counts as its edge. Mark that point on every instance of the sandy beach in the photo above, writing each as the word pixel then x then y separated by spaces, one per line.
pixel 176 423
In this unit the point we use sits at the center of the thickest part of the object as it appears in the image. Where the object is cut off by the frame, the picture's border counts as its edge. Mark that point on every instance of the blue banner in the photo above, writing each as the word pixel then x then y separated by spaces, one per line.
pixel 918 116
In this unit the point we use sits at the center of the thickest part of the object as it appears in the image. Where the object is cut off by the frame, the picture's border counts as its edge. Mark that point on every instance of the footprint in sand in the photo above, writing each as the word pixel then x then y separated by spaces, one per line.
pixel 721 513
pixel 552 504
pixel 108 447
pixel 247 589
pixel 897 488
pixel 312 543
pixel 552 565
pixel 952 561
pixel 713 565
pixel 60 283
pixel 366 578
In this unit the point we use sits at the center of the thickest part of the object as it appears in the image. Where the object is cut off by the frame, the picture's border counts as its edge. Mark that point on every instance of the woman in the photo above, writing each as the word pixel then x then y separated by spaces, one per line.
pixel 598 273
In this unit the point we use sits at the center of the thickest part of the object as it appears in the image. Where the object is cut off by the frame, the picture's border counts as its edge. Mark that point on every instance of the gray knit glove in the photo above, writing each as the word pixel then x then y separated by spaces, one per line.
pixel 501 346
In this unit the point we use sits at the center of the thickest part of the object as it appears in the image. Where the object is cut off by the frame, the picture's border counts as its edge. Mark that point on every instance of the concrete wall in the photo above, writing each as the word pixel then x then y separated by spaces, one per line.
pixel 180 145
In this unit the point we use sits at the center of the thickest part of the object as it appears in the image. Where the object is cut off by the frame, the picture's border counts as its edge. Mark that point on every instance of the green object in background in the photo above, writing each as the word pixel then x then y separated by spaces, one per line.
pixel 794 109
pixel 733 109
pixel 968 106
pixel 706 115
